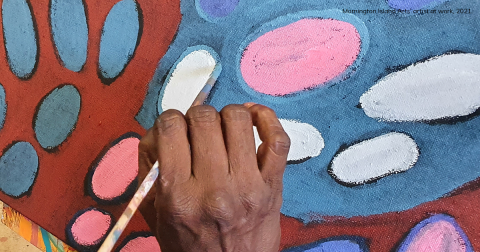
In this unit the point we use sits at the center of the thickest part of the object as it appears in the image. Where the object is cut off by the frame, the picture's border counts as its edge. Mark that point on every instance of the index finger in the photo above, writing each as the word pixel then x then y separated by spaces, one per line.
pixel 272 153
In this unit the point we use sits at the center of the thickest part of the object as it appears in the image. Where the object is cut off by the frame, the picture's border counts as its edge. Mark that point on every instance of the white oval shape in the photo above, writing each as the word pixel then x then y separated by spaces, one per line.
pixel 189 75
pixel 305 140
pixel 440 88
pixel 373 159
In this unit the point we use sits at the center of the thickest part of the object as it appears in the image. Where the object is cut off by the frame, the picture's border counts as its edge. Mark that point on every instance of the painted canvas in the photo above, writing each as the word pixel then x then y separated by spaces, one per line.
pixel 380 98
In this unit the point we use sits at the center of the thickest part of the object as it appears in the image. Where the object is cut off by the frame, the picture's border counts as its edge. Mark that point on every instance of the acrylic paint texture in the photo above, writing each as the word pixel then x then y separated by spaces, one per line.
pixel 215 9
pixel 122 86
pixel 445 147
pixel 414 4
pixel 142 244
pixel 375 158
pixel 59 111
pixel 120 35
pixel 32 232
pixel 20 38
pixel 70 32
pixel 116 170
pixel 333 110
pixel 3 106
pixel 139 241
pixel 305 141
pixel 316 51
pixel 89 227
pixel 459 96
pixel 42 175
pixel 19 169
pixel 437 233
pixel 187 78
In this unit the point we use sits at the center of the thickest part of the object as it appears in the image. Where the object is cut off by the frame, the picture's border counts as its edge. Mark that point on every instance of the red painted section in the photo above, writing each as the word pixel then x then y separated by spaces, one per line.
pixel 385 232
pixel 106 113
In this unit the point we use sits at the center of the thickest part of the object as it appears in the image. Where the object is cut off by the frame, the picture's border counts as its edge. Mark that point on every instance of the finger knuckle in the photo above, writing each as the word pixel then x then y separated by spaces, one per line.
pixel 202 114
pixel 234 112
pixel 254 201
pixel 144 161
pixel 279 142
pixel 219 205
pixel 164 178
pixel 144 145
pixel 147 153
pixel 177 207
pixel 170 122
pixel 182 205
pixel 147 142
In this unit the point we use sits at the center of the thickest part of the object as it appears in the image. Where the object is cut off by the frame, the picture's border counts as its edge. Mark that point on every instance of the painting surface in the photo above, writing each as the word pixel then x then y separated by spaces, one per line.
pixel 380 98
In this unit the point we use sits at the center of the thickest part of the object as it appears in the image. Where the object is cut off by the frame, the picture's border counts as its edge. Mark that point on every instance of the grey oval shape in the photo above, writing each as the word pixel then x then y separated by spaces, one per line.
pixel 20 37
pixel 120 36
pixel 70 32
pixel 56 116
pixel 3 106
pixel 18 169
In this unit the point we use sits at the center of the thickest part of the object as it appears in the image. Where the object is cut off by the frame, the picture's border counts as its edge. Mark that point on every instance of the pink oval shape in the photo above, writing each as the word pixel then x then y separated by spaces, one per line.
pixel 437 237
pixel 142 244
pixel 90 227
pixel 301 55
pixel 116 170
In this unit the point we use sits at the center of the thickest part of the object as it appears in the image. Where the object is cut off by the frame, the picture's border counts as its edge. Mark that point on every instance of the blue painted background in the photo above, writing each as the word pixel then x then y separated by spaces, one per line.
pixel 450 153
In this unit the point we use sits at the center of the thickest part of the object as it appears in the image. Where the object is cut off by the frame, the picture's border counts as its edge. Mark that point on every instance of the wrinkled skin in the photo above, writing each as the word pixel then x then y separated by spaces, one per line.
pixel 214 192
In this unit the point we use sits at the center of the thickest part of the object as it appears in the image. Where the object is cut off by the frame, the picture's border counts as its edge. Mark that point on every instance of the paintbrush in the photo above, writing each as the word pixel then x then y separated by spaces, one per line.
pixel 152 175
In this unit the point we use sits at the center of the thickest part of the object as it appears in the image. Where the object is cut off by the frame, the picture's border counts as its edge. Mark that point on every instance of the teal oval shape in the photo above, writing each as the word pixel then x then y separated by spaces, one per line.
pixel 120 36
pixel 3 106
pixel 70 32
pixel 18 169
pixel 56 116
pixel 20 37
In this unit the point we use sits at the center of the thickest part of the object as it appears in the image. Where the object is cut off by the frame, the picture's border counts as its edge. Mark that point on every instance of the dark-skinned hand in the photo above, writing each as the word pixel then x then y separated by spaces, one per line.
pixel 214 191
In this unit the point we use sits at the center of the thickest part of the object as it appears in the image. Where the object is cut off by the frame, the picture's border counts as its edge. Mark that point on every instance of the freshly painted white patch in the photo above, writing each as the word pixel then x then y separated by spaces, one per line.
pixel 375 158
pixel 442 87
pixel 305 140
pixel 187 80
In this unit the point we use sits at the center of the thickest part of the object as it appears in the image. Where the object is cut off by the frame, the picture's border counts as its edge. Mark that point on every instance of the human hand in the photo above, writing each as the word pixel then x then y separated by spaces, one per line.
pixel 214 193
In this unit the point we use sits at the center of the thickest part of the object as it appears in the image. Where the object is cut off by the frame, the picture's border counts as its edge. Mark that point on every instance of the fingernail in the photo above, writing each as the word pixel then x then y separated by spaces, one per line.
pixel 249 104
pixel 168 123
pixel 202 114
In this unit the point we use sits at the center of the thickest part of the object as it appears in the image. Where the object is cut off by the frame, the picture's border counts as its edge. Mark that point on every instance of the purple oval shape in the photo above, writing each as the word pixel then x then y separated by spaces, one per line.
pixel 437 233
pixel 216 8
pixel 413 4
